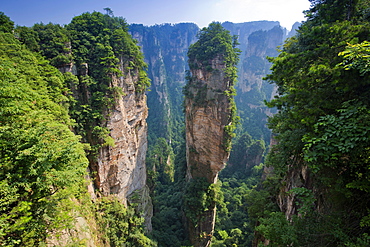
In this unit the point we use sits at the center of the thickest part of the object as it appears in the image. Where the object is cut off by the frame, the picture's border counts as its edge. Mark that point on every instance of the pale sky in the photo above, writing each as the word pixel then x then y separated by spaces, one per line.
pixel 151 12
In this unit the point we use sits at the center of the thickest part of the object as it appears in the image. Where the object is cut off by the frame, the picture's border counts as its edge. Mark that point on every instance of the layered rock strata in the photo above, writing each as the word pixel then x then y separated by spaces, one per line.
pixel 207 112
pixel 120 168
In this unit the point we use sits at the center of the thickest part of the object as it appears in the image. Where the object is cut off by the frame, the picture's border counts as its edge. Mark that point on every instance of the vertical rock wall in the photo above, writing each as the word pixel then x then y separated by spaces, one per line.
pixel 165 47
pixel 207 112
pixel 120 168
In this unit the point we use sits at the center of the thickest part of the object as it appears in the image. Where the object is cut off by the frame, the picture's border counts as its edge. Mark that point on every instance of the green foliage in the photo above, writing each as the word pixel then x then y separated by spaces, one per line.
pixel 160 162
pixel 356 57
pixel 200 196
pixel 278 230
pixel 322 124
pixel 120 224
pixel 167 221
pixel 42 162
pixel 6 25
pixel 101 49
pixel 102 41
pixel 305 200
pixel 342 136
pixel 243 157
pixel 215 42
pixel 241 201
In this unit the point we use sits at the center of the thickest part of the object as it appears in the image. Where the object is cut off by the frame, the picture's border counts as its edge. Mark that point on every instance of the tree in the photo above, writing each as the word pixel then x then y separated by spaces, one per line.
pixel 6 25
pixel 323 103
pixel 42 161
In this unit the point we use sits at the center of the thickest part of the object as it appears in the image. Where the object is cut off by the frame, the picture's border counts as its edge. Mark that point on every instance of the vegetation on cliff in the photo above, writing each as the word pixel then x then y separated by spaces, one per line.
pixel 322 131
pixel 212 61
pixel 43 186
pixel 95 46
pixel 215 42
pixel 161 44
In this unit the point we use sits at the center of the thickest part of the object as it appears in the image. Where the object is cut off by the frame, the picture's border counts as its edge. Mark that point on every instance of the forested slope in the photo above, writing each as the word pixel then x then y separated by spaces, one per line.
pixel 54 128
pixel 42 161
pixel 317 193
pixel 73 133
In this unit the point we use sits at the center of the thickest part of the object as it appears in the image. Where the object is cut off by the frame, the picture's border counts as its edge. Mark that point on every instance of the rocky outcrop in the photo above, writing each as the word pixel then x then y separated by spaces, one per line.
pixel 207 112
pixel 120 168
pixel 165 47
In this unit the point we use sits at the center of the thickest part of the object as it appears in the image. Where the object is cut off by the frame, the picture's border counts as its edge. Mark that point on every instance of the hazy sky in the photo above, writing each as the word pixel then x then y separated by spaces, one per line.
pixel 150 12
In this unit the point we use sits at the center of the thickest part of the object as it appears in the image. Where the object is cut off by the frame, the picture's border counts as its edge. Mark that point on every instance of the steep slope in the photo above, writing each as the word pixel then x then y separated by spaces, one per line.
pixel 319 175
pixel 165 48
pixel 112 89
pixel 259 41
pixel 42 161
pixel 105 71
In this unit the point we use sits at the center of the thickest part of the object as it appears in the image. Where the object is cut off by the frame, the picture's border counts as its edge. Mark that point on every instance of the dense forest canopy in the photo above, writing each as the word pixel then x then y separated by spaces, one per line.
pixel 42 160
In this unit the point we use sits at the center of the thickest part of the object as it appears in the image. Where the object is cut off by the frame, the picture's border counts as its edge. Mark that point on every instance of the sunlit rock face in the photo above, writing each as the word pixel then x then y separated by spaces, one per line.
pixel 207 112
pixel 120 168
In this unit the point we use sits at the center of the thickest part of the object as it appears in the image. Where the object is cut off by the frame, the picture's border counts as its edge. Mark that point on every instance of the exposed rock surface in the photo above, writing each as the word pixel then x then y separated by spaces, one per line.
pixel 120 169
pixel 207 112
pixel 165 47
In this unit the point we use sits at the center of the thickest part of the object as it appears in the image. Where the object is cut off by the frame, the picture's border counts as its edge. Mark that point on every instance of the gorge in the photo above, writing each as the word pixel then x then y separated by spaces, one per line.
pixel 104 72
pixel 130 135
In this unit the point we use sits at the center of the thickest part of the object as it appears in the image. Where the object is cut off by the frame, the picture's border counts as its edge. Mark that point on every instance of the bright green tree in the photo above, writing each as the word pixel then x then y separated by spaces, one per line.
pixel 42 161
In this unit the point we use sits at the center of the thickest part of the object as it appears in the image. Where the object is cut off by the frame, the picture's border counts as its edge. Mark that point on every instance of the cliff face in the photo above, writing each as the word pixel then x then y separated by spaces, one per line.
pixel 165 47
pixel 120 168
pixel 207 111
pixel 210 121
pixel 252 90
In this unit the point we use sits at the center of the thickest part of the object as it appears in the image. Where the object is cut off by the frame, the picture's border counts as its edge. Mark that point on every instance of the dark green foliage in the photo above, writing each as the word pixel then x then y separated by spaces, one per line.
pixel 246 154
pixel 239 179
pixel 215 41
pixel 97 46
pixel 168 225
pixel 43 163
pixel 102 42
pixel 6 25
pixel 322 125
pixel 200 196
pixel 160 162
